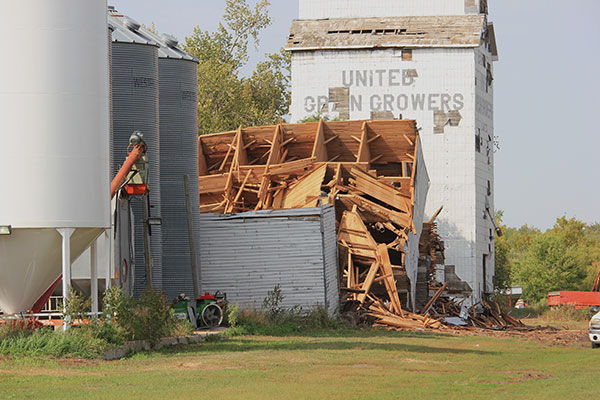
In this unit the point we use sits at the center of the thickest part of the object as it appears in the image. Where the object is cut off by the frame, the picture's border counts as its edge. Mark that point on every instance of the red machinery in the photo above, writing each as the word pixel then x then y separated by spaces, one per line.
pixel 577 299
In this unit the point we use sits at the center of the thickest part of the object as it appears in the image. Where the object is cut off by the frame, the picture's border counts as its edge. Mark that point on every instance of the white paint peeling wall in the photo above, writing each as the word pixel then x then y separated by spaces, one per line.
pixel 318 9
pixel 379 80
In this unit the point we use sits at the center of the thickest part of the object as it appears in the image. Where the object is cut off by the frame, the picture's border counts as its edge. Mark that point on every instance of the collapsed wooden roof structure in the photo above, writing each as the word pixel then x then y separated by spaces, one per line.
pixel 372 171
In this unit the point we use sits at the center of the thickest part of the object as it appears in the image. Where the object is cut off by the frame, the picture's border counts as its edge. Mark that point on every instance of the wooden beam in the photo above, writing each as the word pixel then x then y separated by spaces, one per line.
pixel 384 192
pixel 319 152
pixel 274 158
pixel 437 213
pixel 202 167
pixel 230 148
pixel 390 282
pixel 331 139
pixel 374 138
pixel 372 160
pixel 231 207
pixel 240 157
pixel 250 144
pixel 366 287
pixel 364 152
pixel 306 192
pixel 434 298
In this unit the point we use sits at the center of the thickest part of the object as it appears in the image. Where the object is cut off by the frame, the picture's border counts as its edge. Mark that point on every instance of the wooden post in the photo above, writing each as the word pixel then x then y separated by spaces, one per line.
pixel 192 239
pixel 146 233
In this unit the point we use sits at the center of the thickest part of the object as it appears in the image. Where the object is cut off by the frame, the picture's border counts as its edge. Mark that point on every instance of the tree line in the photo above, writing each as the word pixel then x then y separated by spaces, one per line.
pixel 564 257
pixel 227 99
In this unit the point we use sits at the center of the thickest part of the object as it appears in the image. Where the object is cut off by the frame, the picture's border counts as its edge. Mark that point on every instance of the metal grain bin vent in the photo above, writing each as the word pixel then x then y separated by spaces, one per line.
pixel 135 107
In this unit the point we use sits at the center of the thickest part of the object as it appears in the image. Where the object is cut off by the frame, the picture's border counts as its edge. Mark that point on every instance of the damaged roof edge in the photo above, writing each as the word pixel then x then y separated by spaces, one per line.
pixel 465 31
pixel 492 36
pixel 293 212
pixel 381 46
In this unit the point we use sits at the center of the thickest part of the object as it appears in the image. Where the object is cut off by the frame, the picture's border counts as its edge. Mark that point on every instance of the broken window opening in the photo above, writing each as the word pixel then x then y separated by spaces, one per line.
pixel 478 142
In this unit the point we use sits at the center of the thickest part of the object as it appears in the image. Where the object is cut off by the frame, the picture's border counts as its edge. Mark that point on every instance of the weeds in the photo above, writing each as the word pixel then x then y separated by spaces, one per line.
pixel 275 320
pixel 46 343
pixel 124 318
pixel 564 314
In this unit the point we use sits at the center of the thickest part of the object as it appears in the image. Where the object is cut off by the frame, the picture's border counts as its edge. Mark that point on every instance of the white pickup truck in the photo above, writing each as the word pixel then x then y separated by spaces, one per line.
pixel 595 331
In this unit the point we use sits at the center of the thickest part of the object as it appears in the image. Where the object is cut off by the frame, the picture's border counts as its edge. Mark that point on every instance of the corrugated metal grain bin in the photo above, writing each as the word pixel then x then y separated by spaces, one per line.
pixel 247 255
pixel 178 99
pixel 135 107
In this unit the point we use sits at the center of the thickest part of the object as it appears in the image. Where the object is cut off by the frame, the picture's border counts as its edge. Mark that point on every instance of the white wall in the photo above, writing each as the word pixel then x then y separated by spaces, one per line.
pixel 443 74
pixel 317 9
pixel 484 162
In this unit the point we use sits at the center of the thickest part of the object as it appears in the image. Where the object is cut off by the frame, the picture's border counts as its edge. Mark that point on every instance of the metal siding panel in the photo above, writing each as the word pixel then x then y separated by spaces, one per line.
pixel 331 259
pixel 247 255
pixel 178 157
pixel 135 107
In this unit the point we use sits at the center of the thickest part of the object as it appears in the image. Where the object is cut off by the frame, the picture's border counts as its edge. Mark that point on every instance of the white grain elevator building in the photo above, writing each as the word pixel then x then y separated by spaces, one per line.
pixel 428 60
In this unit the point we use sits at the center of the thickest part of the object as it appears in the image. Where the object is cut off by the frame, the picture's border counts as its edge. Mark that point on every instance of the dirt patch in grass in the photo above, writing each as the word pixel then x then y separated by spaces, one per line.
pixel 530 376
pixel 77 362
pixel 203 366
pixel 551 337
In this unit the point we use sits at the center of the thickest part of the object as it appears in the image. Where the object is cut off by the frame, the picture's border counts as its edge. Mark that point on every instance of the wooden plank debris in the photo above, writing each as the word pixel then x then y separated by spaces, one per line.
pixel 365 168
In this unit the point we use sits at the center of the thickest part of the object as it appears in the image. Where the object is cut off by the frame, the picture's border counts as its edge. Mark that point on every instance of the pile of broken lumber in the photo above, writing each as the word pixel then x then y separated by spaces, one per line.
pixel 490 315
pixel 373 171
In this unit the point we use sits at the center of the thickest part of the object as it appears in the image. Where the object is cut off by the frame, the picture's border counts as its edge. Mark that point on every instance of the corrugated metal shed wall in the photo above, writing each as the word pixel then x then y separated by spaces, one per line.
pixel 330 252
pixel 178 155
pixel 135 107
pixel 247 255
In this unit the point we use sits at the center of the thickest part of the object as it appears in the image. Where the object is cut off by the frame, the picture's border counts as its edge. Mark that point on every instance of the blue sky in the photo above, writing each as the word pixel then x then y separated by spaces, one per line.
pixel 546 96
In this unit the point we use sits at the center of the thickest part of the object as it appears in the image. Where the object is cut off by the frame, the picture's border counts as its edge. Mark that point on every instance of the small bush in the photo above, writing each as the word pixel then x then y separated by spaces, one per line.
pixel 233 315
pixel 272 303
pixel 149 318
pixel 77 306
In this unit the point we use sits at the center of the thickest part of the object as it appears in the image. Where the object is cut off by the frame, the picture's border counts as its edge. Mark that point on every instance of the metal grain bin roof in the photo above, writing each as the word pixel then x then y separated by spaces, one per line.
pixel 246 255
pixel 168 46
pixel 127 30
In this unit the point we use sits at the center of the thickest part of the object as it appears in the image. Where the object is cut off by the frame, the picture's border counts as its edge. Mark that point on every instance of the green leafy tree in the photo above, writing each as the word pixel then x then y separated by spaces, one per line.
pixel 554 260
pixel 503 263
pixel 226 99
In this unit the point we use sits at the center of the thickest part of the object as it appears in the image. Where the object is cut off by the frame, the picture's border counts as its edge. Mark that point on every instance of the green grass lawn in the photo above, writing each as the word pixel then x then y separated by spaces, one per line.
pixel 353 365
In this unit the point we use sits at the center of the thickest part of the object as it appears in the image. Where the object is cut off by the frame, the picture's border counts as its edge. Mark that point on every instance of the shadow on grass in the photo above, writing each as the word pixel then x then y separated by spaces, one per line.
pixel 356 332
pixel 245 345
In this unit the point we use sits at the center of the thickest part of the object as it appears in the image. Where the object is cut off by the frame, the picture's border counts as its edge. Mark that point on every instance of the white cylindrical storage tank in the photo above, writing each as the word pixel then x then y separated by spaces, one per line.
pixel 178 99
pixel 54 139
pixel 135 108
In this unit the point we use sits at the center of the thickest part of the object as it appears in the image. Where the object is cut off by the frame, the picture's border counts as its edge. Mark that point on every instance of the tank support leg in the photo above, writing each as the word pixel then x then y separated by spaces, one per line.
pixel 94 276
pixel 66 270
pixel 108 234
